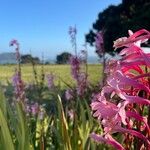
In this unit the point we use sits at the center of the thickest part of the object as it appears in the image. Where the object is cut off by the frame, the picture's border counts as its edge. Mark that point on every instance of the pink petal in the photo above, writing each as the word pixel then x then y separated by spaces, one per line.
pixel 139 118
pixel 134 133
pixel 122 112
pixel 138 100
pixel 128 81
pixel 108 140
pixel 138 33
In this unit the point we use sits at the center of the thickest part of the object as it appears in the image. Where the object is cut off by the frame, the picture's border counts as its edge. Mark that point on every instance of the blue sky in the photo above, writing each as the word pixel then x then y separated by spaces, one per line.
pixel 41 26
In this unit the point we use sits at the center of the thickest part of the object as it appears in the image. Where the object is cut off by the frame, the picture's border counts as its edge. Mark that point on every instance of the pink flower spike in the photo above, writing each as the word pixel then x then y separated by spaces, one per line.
pixel 121 106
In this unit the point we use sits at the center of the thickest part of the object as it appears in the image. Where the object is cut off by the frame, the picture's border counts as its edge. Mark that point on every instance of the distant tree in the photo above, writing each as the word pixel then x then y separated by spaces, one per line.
pixel 63 58
pixel 115 21
pixel 28 59
pixel 47 63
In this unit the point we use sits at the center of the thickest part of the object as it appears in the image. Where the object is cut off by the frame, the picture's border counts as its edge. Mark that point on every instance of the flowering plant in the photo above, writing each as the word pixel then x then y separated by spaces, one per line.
pixel 123 106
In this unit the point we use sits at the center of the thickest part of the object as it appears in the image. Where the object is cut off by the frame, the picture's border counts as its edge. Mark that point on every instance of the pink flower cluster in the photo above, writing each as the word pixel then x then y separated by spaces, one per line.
pixel 35 110
pixel 79 76
pixel 18 87
pixel 123 102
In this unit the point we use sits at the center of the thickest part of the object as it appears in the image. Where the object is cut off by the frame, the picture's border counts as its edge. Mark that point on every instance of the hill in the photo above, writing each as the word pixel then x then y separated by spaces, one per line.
pixel 7 58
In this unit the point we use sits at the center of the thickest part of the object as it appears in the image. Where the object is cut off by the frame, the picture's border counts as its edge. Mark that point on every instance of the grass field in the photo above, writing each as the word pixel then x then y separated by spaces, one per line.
pixel 61 71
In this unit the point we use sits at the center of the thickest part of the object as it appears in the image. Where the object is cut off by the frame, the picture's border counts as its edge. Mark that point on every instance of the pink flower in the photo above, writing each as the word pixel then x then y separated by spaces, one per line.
pixel 69 94
pixel 35 109
pixel 141 35
pixel 103 108
pixel 109 114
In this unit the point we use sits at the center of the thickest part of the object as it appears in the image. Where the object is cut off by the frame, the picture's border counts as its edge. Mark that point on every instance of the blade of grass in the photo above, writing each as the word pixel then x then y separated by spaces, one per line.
pixel 22 125
pixel 6 134
pixel 63 125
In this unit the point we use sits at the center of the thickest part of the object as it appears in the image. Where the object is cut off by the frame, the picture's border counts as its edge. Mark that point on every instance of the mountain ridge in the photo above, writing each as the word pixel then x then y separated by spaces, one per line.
pixel 7 58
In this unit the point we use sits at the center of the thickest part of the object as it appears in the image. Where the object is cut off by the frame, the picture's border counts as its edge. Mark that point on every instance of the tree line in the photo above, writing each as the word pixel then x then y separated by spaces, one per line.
pixel 62 58
pixel 115 21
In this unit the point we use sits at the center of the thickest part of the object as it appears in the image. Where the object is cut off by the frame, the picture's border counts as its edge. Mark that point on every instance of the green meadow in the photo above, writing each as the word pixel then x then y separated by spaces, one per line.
pixel 62 73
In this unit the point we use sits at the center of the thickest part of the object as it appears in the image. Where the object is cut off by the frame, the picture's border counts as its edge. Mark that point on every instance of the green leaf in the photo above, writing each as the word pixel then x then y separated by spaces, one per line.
pixel 6 134
pixel 63 126
pixel 23 131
